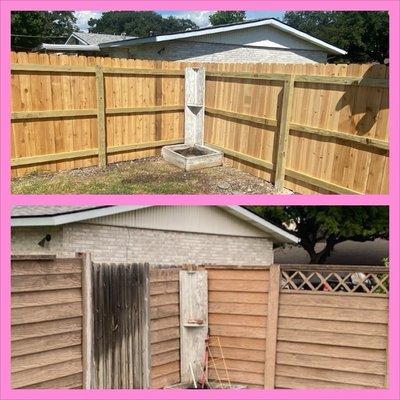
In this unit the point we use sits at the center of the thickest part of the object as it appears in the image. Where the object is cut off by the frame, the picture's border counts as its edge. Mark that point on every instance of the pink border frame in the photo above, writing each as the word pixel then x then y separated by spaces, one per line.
pixel 393 392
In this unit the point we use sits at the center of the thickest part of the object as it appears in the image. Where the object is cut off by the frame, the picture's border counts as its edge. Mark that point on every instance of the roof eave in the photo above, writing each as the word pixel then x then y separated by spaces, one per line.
pixel 181 35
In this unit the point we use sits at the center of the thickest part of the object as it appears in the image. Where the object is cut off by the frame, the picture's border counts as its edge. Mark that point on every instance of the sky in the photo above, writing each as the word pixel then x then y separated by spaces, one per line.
pixel 198 17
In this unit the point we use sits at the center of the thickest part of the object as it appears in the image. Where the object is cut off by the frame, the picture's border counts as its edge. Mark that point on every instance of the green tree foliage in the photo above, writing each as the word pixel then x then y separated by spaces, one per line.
pixel 363 34
pixel 34 27
pixel 226 17
pixel 328 224
pixel 138 23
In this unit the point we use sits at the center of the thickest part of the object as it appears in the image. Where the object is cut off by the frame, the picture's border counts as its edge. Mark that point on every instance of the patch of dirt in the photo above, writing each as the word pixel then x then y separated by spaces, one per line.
pixel 144 176
pixel 192 152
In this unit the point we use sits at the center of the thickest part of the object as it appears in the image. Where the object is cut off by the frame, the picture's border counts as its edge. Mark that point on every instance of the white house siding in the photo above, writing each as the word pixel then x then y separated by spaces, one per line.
pixel 264 36
pixel 124 244
pixel 217 52
pixel 197 219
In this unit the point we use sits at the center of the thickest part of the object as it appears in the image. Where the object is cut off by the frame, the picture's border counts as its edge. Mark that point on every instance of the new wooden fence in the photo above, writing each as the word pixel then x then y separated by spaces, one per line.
pixel 301 326
pixel 308 127
pixel 46 322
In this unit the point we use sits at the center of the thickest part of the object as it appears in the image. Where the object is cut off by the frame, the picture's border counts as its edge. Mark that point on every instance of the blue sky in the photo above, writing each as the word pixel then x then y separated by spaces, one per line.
pixel 199 17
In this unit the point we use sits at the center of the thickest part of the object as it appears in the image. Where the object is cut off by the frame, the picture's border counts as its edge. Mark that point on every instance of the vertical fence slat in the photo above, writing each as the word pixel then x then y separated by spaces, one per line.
pixel 287 99
pixel 272 326
pixel 101 118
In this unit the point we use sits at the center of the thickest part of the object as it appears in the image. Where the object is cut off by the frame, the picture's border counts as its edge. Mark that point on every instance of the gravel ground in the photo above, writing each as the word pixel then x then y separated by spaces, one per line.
pixel 148 175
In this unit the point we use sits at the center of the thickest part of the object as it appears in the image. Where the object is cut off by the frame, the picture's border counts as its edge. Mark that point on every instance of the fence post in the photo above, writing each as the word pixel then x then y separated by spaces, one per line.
pixel 101 119
pixel 272 326
pixel 285 117
pixel 87 321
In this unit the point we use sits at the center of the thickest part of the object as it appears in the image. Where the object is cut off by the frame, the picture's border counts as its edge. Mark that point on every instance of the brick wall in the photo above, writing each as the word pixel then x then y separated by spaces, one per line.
pixel 119 244
pixel 217 52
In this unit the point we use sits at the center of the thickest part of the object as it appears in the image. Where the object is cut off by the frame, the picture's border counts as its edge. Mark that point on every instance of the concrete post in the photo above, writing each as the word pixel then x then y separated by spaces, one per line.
pixel 194 106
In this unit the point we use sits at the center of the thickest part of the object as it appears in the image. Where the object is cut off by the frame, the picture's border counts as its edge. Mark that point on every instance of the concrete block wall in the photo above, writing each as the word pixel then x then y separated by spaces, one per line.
pixel 120 244
pixel 217 52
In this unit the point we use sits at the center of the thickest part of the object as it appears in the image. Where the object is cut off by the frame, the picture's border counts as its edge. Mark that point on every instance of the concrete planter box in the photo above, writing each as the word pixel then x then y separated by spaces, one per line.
pixel 190 158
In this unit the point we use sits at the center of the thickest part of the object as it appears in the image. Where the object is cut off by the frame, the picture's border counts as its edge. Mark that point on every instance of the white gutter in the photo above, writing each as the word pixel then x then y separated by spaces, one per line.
pixel 68 47
pixel 188 34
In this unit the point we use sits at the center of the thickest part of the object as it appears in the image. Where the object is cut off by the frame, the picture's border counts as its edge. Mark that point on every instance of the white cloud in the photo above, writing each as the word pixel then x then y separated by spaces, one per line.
pixel 82 18
pixel 200 18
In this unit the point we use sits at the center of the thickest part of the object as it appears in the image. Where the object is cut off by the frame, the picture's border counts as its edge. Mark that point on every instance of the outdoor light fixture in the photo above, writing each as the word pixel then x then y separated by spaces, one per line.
pixel 47 238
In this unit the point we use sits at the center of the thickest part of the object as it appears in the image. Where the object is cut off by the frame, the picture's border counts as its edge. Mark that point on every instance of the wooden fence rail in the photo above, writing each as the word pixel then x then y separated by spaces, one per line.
pixel 310 128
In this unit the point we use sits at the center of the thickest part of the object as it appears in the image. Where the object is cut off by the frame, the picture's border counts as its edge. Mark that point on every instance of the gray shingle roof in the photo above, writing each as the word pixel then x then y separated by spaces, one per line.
pixel 40 211
pixel 97 38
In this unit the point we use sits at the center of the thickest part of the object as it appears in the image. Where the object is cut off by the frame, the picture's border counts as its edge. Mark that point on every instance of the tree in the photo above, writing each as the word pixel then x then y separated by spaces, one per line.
pixel 138 23
pixel 226 17
pixel 363 34
pixel 30 28
pixel 329 225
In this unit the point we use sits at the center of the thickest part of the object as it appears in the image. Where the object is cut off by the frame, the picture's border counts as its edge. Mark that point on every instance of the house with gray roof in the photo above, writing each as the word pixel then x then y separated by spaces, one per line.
pixel 83 42
pixel 266 40
pixel 173 235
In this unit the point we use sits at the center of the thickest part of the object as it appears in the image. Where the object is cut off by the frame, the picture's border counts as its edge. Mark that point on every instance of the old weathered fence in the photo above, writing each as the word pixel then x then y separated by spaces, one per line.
pixel 47 349
pixel 301 326
pixel 121 354
pixel 310 128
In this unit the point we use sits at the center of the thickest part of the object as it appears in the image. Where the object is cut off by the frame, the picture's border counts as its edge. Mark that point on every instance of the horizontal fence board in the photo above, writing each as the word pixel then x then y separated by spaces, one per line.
pixel 48 282
pixel 238 286
pixel 357 328
pixel 36 375
pixel 48 297
pixel 164 287
pixel 46 267
pixel 164 311
pixel 236 376
pixel 283 382
pixel 164 346
pixel 240 274
pixel 339 339
pixel 332 313
pixel 232 297
pixel 240 354
pixel 165 369
pixel 68 382
pixel 337 364
pixel 242 343
pixel 44 343
pixel 332 351
pixel 28 315
pixel 238 320
pixel 347 302
pixel 164 334
pixel 353 378
pixel 164 299
pixel 44 358
pixel 163 323
pixel 165 358
pixel 166 380
pixel 237 331
pixel 237 308
pixel 38 329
